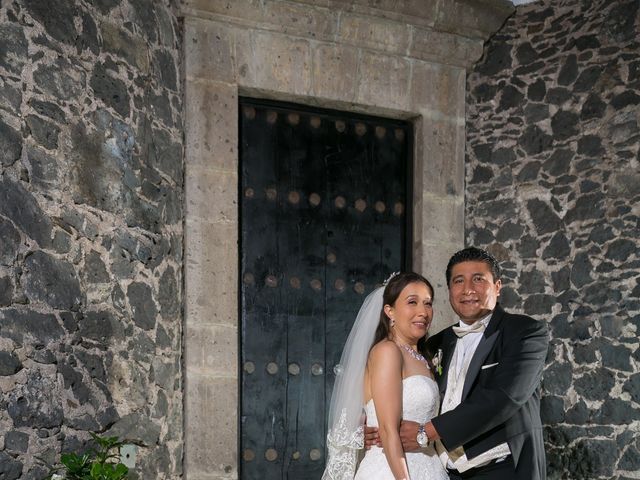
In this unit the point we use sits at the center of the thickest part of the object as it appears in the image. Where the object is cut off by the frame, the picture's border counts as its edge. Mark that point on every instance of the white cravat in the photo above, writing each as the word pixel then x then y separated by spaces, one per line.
pixel 465 329
pixel 469 338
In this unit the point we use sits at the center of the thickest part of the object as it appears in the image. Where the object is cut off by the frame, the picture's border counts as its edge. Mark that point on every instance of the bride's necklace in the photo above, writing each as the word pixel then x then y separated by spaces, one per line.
pixel 414 354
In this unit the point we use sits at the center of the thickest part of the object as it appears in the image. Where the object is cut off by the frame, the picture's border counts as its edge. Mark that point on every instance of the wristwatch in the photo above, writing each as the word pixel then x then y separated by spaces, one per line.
pixel 422 438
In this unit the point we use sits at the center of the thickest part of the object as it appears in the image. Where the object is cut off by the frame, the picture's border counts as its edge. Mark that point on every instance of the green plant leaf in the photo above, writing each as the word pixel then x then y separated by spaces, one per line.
pixel 101 463
pixel 121 469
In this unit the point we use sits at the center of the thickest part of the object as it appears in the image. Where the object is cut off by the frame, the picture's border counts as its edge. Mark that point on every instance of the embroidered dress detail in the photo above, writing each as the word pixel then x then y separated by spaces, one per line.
pixel 343 446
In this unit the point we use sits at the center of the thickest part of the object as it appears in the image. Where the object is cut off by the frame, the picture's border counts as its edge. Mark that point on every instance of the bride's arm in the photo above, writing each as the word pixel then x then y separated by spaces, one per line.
pixel 385 373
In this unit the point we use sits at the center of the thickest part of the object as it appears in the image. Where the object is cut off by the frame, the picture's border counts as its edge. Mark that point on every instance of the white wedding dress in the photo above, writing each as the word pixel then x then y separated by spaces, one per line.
pixel 420 400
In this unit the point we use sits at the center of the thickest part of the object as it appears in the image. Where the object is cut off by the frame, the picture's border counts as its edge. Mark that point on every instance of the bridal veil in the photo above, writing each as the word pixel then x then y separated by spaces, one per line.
pixel 346 418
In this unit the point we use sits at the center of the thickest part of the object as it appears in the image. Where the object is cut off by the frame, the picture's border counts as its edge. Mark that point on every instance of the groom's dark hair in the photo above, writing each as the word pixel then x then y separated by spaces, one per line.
pixel 473 254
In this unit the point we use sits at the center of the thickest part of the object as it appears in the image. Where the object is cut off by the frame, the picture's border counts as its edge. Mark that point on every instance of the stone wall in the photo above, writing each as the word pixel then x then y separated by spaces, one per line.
pixel 553 190
pixel 91 169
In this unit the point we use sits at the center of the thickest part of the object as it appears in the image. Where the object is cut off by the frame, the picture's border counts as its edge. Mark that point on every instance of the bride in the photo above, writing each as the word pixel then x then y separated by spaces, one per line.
pixel 382 369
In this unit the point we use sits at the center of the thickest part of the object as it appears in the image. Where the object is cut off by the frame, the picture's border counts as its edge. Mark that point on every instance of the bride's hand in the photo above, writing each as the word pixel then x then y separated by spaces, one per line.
pixel 371 437
pixel 408 435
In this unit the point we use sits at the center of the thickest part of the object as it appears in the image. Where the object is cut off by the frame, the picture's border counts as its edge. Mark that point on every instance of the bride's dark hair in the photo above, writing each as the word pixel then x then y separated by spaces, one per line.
pixel 391 293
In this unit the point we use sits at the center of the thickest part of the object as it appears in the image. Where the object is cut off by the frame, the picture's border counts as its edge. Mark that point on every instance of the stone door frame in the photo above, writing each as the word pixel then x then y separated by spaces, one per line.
pixel 404 60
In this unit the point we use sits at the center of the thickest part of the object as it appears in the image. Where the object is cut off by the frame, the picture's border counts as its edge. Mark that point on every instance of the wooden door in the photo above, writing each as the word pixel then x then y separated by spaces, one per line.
pixel 323 206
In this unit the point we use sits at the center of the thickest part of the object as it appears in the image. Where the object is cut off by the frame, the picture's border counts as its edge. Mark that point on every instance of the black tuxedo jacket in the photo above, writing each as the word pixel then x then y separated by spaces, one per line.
pixel 501 398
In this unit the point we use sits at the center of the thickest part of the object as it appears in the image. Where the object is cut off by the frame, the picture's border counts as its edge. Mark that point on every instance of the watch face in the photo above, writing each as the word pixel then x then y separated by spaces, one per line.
pixel 422 439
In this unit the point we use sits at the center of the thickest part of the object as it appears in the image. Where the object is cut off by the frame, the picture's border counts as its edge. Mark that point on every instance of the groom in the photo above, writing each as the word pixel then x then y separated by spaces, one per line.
pixel 489 424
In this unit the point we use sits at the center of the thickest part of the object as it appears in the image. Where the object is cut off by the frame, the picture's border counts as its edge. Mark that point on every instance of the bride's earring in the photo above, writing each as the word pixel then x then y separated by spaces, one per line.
pixel 392 322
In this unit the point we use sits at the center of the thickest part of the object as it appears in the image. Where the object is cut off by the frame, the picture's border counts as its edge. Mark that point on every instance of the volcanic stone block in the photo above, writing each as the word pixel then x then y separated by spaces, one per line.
pixel 564 124
pixel 13 47
pixel 632 385
pixel 595 385
pixel 44 168
pixel 587 79
pixel 9 363
pixel 561 279
pixel 10 145
pixel 625 99
pixel 144 17
pixel 557 378
pixel 592 458
pixel 615 411
pixel 93 364
pixel 569 71
pixel 534 140
pixel 17 204
pixel 169 297
pixel 630 459
pixel 43 132
pixel 510 97
pixel 529 172
pixel 10 468
pixel 620 21
pixel 532 282
pixel 558 247
pixel 615 356
pixel 552 410
pixel 543 216
pixel 9 242
pixel 58 22
pixel 525 53
pixel 16 441
pixel 539 304
pixel 536 112
pixel 122 43
pixel 587 207
pixel 52 281
pixel 142 304
pixel 36 404
pixel 498 58
pixel 621 249
pixel 509 298
pixel 95 269
pixel 165 67
pixel 590 145
pixel 537 90
pixel 578 414
pixel 111 90
pixel 593 107
pixel 484 92
pixel 16 324
pixel 138 426
pixel 88 39
pixel 6 291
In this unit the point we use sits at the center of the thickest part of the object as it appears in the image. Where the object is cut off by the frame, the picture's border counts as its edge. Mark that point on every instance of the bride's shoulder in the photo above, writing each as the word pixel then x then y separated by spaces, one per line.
pixel 385 349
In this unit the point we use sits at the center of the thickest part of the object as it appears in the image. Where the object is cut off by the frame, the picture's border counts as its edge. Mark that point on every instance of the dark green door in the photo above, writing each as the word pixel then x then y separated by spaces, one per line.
pixel 323 205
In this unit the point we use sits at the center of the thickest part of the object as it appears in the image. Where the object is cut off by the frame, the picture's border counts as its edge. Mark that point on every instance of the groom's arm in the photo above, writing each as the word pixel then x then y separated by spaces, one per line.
pixel 514 381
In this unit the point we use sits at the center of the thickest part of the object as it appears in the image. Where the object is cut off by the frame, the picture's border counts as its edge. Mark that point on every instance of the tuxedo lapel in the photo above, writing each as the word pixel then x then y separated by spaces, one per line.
pixel 485 346
pixel 448 347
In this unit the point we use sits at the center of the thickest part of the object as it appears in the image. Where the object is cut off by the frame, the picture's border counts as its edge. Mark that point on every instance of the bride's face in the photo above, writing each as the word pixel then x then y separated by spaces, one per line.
pixel 411 313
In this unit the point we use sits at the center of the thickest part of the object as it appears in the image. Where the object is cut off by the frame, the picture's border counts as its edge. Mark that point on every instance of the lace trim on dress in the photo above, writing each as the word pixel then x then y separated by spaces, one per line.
pixel 343 447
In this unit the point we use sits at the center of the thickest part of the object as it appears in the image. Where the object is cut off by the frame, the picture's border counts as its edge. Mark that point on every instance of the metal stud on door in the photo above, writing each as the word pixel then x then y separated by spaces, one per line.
pixel 324 220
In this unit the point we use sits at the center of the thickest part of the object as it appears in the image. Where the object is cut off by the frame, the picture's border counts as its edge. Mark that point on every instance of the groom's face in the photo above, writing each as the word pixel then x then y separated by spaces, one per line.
pixel 473 292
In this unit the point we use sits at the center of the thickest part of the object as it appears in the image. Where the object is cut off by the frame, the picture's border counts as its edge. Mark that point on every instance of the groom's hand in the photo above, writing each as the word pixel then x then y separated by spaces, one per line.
pixel 408 435
pixel 371 437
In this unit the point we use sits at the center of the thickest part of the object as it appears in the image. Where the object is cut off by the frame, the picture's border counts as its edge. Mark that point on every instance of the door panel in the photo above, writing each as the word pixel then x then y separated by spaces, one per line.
pixel 323 207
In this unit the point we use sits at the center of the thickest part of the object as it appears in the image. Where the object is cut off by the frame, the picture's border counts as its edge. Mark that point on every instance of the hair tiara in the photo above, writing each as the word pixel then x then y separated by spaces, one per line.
pixel 386 282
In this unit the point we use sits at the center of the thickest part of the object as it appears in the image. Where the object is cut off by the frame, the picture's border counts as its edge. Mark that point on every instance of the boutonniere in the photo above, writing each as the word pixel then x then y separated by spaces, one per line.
pixel 436 361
